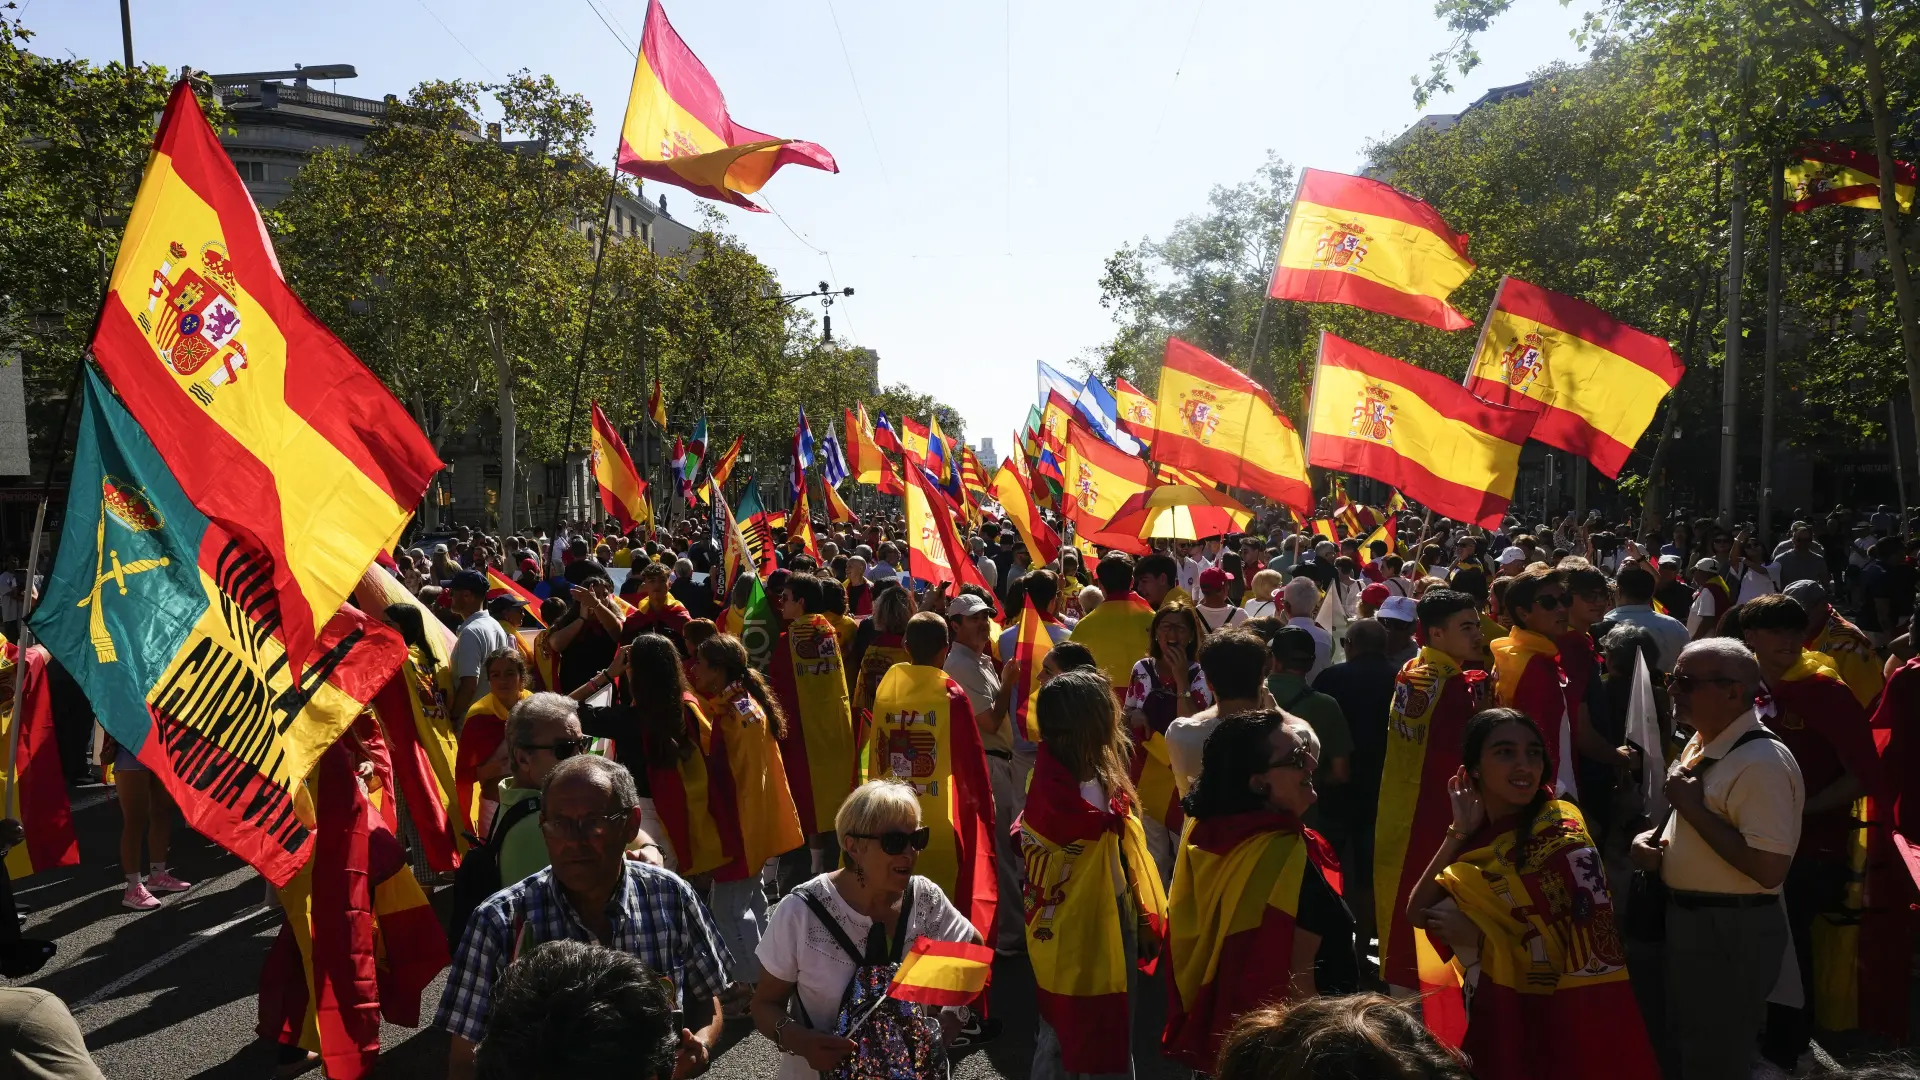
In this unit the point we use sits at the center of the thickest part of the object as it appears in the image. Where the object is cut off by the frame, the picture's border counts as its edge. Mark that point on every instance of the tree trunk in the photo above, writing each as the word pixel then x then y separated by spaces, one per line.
pixel 1653 501
pixel 1904 305
pixel 509 422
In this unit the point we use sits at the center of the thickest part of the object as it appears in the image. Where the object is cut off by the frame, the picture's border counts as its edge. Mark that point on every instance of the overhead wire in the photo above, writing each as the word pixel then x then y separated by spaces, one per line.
pixel 456 39
pixel 616 34
pixel 858 97
pixel 1179 66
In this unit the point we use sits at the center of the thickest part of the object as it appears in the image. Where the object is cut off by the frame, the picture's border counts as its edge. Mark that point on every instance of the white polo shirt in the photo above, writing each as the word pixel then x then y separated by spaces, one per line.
pixel 1757 789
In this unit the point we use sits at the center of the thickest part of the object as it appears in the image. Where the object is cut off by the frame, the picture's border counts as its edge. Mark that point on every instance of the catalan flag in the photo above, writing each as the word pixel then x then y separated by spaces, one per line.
pixel 1012 488
pixel 677 130
pixel 1593 380
pixel 1135 410
pixel 1415 430
pixel 1097 479
pixel 272 429
pixel 1359 242
pixel 1323 528
pixel 942 972
pixel 1828 174
pixel 973 478
pixel 1212 418
pixel 622 492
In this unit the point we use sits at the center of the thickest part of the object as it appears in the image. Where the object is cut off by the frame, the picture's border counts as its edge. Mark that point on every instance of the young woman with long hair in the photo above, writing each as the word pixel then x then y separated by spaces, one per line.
pixel 1518 892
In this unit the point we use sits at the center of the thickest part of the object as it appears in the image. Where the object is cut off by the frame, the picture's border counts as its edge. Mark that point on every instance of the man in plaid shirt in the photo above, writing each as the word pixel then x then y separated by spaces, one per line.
pixel 590 812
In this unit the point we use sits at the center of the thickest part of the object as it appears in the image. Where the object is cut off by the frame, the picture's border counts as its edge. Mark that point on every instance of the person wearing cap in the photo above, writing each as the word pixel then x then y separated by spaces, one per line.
pixel 1294 653
pixel 1371 598
pixel 478 636
pixel 1839 644
pixel 1396 617
pixel 1711 598
pixel 1672 596
pixel 1513 561
pixel 817 749
pixel 1215 609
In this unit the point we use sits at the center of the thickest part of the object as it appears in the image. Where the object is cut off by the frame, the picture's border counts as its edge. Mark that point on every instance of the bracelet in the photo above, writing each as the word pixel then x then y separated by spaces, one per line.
pixel 779 1035
pixel 1456 834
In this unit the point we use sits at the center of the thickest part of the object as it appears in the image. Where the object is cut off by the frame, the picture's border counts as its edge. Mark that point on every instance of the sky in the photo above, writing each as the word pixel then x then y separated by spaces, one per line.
pixel 991 155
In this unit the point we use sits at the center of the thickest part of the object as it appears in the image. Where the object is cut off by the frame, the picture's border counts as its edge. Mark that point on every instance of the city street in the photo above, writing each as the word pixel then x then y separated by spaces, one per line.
pixel 171 994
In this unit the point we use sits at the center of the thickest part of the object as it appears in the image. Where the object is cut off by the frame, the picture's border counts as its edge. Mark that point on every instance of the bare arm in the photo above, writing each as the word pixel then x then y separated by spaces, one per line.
pixel 698 1039
pixel 459 1059
pixel 821 1050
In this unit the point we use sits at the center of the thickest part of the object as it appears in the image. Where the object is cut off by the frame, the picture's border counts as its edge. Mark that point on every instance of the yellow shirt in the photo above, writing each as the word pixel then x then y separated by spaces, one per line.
pixel 1116 634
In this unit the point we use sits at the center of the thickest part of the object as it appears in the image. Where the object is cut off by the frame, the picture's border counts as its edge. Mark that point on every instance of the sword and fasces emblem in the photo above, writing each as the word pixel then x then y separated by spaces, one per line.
pixel 128 505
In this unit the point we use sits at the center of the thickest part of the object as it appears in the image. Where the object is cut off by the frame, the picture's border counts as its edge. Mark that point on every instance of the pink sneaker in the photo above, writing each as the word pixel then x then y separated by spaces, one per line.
pixel 161 881
pixel 138 898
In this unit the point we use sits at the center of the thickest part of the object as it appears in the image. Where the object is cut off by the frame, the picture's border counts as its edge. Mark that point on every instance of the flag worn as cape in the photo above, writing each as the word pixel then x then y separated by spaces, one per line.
pixel 695 810
pixel 747 769
pixel 1213 418
pixel 270 427
pixel 36 783
pixel 1068 849
pixel 411 709
pixel 172 627
pixel 677 129
pixel 924 734
pixel 1432 701
pixel 1594 381
pixel 1850 654
pixel 1530 676
pixel 1230 915
pixel 818 751
pixel 1351 240
pixel 481 734
pixel 1552 979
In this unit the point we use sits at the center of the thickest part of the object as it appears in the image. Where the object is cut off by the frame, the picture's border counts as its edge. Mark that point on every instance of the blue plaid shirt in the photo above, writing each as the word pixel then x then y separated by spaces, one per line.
pixel 655 916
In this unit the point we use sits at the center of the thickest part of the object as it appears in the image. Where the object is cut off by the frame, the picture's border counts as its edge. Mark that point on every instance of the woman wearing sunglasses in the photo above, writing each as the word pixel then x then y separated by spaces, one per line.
pixel 1517 891
pixel 875 901
pixel 1253 915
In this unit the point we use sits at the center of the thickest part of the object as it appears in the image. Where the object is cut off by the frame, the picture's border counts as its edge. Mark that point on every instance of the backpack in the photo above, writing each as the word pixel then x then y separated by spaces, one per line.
pixel 479 874
pixel 893 1040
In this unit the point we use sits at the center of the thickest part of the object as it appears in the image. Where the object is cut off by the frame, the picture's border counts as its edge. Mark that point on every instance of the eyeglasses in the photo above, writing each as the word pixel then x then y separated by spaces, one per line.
pixel 1301 758
pixel 1548 601
pixel 894 843
pixel 562 749
pixel 1683 684
pixel 587 828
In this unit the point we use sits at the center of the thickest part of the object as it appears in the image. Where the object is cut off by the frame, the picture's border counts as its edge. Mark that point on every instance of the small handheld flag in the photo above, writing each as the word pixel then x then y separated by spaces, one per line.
pixel 942 973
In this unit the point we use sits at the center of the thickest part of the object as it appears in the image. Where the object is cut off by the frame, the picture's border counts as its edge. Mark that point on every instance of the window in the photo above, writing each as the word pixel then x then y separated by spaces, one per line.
pixel 252 172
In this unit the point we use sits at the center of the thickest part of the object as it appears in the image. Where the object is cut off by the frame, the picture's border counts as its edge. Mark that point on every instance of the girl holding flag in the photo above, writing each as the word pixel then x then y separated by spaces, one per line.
pixel 1518 892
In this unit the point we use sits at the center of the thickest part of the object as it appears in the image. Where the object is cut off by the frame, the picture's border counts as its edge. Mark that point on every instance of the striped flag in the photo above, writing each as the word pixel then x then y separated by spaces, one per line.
pixel 1030 651
pixel 833 460
pixel 1828 174
pixel 942 972
pixel 502 585
pixel 1213 418
pixel 838 512
pixel 1359 242
pixel 36 786
pixel 622 492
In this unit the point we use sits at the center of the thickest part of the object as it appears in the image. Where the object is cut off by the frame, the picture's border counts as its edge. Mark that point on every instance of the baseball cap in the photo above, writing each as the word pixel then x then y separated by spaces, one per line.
pixel 1293 643
pixel 1398 608
pixel 472 581
pixel 1374 595
pixel 530 566
pixel 1809 592
pixel 1711 566
pixel 966 604
pixel 1214 578
pixel 1669 560
pixel 1512 555
pixel 505 596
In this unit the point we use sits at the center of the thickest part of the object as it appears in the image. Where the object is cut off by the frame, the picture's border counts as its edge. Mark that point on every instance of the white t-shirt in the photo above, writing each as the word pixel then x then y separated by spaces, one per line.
pixel 1257 608
pixel 1703 608
pixel 1217 617
pixel 797 949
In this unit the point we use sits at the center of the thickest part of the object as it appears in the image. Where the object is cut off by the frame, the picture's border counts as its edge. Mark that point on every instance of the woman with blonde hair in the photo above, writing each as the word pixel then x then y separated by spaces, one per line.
pixel 1260 592
pixel 849 922
pixel 1096 911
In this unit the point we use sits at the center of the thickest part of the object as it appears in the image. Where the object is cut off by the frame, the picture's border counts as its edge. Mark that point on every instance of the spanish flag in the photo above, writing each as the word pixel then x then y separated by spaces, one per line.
pixel 1376 416
pixel 1358 242
pixel 1098 477
pixel 913 442
pixel 942 972
pixel 1056 416
pixel 36 785
pixel 1828 174
pixel 622 492
pixel 1030 650
pixel 272 428
pixel 1013 491
pixel 677 130
pixel 935 553
pixel 1212 418
pixel 837 510
pixel 657 406
pixel 1135 410
pixel 719 468
pixel 864 458
pixel 1236 894
pixel 1323 528
pixel 499 583
pixel 1593 380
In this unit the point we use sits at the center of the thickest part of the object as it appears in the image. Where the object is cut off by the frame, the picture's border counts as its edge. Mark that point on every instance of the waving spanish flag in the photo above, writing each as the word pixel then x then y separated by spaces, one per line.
pixel 1097 478
pixel 1594 380
pixel 622 491
pixel 499 584
pixel 864 459
pixel 838 512
pixel 721 467
pixel 272 428
pixel 1828 174
pixel 934 550
pixel 677 130
pixel 913 443
pixel 1356 241
pixel 942 972
pixel 1212 418
pixel 1012 487
pixel 1135 410
pixel 1414 430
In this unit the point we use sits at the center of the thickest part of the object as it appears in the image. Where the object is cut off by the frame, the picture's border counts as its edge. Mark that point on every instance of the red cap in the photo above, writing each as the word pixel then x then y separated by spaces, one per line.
pixel 1374 595
pixel 529 566
pixel 1214 578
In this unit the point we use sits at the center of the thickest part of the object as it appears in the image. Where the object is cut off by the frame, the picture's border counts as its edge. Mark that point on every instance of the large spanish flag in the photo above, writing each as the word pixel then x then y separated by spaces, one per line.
pixel 1593 379
pixel 1828 174
pixel 677 130
pixel 1098 477
pixel 1135 411
pixel 622 492
pixel 1376 416
pixel 273 430
pixel 1212 418
pixel 1356 241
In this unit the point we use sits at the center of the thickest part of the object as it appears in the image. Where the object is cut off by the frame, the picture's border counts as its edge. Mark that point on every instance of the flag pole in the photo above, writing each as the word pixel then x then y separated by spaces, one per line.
pixel 1266 285
pixel 586 320
pixel 1481 342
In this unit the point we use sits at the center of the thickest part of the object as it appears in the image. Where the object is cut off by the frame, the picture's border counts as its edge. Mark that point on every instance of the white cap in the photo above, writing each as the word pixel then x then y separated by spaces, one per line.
pixel 1512 555
pixel 966 604
pixel 1400 608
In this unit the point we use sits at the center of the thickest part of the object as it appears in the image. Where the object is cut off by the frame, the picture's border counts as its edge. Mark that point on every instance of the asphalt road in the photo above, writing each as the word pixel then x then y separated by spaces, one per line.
pixel 172 993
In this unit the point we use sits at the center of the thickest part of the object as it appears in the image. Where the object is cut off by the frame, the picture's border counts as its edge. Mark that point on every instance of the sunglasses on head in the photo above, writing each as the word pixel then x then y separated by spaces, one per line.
pixel 894 843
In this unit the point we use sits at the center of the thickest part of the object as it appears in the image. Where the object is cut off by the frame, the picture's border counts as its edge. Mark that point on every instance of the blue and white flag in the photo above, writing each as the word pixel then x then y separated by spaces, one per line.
pixel 1098 408
pixel 833 460
pixel 1057 381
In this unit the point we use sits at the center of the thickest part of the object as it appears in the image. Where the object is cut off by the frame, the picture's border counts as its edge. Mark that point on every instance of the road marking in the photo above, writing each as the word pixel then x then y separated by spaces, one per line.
pixel 93 800
pixel 198 939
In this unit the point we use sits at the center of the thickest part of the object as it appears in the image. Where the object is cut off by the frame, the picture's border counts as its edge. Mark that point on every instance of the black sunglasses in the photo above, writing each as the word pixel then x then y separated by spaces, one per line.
pixel 894 843
pixel 1683 684
pixel 1296 760
pixel 562 749
pixel 1548 601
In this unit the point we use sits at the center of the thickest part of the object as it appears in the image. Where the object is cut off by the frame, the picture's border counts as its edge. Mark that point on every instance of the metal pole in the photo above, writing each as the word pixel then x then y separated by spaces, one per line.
pixel 1776 198
pixel 126 34
pixel 1730 363
pixel 586 321
pixel 1899 466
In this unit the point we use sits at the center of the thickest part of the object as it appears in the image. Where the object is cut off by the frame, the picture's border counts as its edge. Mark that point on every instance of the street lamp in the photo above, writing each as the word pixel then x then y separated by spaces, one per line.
pixel 826 296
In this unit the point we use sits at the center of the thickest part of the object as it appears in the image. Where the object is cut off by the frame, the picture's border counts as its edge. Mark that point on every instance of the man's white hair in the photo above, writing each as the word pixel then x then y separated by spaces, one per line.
pixel 1733 659
pixel 1302 597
